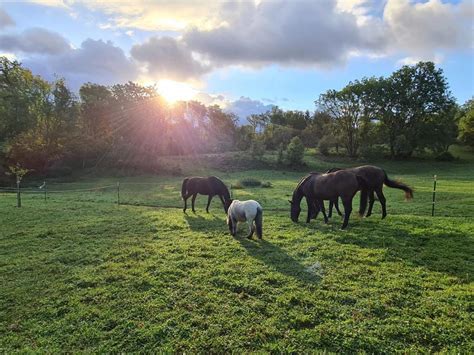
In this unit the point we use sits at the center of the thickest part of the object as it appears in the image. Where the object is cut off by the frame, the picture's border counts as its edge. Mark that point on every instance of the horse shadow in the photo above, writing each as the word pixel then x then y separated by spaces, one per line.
pixel 199 222
pixel 277 259
pixel 445 251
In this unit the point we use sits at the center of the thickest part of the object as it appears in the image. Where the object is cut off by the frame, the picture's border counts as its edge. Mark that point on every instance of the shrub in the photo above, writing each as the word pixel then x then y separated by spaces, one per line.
pixel 445 156
pixel 249 182
pixel 281 152
pixel 324 145
pixel 257 149
pixel 295 151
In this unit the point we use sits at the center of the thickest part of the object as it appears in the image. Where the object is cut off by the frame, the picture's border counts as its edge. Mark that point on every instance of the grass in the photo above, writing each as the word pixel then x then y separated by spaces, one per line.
pixel 81 274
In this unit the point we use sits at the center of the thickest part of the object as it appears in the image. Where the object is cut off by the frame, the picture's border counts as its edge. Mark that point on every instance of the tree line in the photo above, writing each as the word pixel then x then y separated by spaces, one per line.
pixel 45 126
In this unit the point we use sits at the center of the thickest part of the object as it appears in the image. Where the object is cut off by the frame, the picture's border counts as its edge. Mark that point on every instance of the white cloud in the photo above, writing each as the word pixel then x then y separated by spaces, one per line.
pixel 166 57
pixel 34 40
pixel 96 61
pixel 5 19
pixel 422 29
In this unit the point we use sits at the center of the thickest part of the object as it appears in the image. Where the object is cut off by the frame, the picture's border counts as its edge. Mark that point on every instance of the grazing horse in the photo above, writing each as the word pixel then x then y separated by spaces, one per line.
pixel 249 211
pixel 303 189
pixel 376 177
pixel 343 184
pixel 210 186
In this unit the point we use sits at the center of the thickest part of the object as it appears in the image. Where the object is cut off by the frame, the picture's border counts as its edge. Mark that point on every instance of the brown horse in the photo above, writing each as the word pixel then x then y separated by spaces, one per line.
pixel 210 186
pixel 304 189
pixel 376 177
pixel 340 184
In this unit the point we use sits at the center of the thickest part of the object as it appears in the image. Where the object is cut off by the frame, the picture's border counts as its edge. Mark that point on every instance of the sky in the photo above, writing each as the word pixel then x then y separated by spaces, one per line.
pixel 243 55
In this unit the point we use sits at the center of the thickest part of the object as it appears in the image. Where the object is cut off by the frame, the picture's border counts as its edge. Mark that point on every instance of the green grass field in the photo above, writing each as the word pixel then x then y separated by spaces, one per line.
pixel 79 273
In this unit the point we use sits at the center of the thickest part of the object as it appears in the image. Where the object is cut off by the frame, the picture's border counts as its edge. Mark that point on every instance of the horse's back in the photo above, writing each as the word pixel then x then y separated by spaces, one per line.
pixel 244 210
pixel 374 175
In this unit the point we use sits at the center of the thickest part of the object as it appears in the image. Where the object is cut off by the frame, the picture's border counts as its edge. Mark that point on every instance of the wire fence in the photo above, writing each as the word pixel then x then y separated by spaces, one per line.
pixel 447 202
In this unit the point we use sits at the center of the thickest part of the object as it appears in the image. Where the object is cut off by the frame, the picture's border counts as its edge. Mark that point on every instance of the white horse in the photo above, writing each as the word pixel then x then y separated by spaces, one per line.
pixel 241 211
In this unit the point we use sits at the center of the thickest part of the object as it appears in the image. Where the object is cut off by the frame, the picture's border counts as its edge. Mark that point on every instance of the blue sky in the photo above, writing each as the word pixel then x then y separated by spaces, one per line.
pixel 242 54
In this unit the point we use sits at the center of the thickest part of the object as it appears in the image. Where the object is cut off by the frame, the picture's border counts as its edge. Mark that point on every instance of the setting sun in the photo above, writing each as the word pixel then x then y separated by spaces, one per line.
pixel 173 91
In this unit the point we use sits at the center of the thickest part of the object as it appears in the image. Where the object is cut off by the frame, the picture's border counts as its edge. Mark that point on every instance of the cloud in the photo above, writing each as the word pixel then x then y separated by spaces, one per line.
pixel 34 40
pixel 5 19
pixel 166 57
pixel 295 33
pixel 245 106
pixel 423 29
pixel 95 60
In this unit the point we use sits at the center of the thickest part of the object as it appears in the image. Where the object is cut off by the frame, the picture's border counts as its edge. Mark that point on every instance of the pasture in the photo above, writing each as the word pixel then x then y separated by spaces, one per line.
pixel 79 273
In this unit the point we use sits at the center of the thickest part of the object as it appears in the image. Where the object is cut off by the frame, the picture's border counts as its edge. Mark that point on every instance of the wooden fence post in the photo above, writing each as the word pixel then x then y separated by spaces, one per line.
pixel 118 193
pixel 18 193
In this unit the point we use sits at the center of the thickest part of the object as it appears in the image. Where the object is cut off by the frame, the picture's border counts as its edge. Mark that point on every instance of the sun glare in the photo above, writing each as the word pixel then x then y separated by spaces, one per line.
pixel 173 91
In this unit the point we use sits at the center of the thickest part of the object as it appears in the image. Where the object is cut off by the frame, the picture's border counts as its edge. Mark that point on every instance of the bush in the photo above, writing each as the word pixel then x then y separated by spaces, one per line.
pixel 324 145
pixel 281 153
pixel 257 149
pixel 295 151
pixel 249 182
pixel 445 156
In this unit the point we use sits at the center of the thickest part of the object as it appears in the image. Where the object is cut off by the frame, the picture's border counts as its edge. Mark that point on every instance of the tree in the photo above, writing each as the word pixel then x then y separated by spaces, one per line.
pixel 413 104
pixel 295 151
pixel 348 109
pixel 466 123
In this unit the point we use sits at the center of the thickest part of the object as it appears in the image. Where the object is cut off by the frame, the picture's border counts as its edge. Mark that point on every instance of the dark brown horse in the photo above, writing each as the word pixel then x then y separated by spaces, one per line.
pixel 210 186
pixel 340 184
pixel 376 177
pixel 303 189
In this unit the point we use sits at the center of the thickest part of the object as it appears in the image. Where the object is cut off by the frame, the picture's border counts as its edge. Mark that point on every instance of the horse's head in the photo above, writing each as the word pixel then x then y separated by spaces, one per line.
pixel 294 211
pixel 227 204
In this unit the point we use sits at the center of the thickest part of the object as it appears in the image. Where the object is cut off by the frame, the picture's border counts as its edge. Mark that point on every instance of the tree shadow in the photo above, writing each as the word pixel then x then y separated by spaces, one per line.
pixel 441 250
pixel 277 258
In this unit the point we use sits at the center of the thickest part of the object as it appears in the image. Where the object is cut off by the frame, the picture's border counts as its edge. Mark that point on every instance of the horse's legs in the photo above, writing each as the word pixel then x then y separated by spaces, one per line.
pixel 185 199
pixel 336 204
pixel 323 210
pixel 209 199
pixel 310 209
pixel 331 205
pixel 251 228
pixel 382 200
pixel 347 202
pixel 371 203
pixel 192 202
pixel 223 201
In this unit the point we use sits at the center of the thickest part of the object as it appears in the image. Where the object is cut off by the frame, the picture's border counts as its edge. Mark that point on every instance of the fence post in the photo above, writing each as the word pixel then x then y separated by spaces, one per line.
pixel 45 192
pixel 434 197
pixel 118 193
pixel 18 193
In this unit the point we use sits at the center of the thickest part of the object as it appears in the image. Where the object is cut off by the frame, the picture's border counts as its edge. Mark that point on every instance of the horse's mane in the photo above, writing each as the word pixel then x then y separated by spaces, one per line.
pixel 304 180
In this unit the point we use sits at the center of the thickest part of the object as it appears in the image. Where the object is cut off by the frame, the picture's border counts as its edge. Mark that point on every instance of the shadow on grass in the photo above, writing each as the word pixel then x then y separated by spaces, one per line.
pixel 437 249
pixel 277 258
pixel 209 222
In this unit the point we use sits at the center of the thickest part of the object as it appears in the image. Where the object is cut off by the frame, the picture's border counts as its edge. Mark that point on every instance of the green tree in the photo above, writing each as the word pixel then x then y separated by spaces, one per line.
pixel 466 123
pixel 295 151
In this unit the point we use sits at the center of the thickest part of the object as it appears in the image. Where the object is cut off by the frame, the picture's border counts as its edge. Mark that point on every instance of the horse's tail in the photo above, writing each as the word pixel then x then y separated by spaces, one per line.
pixel 259 222
pixel 184 187
pixel 399 185
pixel 364 193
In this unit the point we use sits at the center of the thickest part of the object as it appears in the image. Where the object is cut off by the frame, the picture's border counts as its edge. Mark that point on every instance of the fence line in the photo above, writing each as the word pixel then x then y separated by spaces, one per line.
pixel 120 194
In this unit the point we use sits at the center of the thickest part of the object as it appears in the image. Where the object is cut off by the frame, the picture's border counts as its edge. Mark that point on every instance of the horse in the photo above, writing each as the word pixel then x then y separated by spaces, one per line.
pixel 376 177
pixel 241 211
pixel 303 189
pixel 210 186
pixel 330 186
